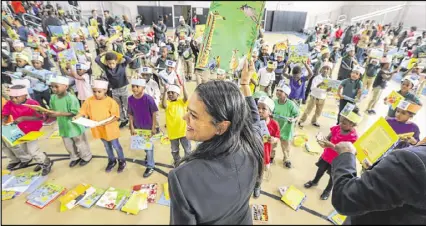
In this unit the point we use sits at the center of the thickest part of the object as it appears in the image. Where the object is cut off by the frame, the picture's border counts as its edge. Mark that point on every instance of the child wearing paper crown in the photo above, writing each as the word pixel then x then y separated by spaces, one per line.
pixel 350 89
pixel 176 126
pixel 82 80
pixel 286 113
pixel 344 132
pixel 402 123
pixel 20 77
pixel 266 106
pixel 297 82
pixel 39 78
pixel 266 77
pixel 143 113
pixel 168 76
pixel 415 73
pixel 65 106
pixel 100 107
pixel 28 120
pixel 380 82
pixel 151 87
pixel 407 85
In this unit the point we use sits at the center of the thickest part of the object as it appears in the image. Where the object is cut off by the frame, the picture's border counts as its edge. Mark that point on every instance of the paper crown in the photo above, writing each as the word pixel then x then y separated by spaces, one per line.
pixel 138 82
pixel 327 64
pixel 170 63
pixel 268 101
pixel 283 87
pixel 18 92
pixel 145 70
pixel 220 71
pixel 348 113
pixel 37 57
pixel 271 65
pixel 18 43
pixel 100 84
pixel 359 69
pixel 22 56
pixel 350 48
pixel 60 80
pixel 412 81
pixel 410 107
pixel 80 66
pixel 174 88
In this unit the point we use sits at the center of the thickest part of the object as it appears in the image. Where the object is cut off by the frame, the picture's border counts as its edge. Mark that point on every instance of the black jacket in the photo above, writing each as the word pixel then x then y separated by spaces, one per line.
pixel 392 192
pixel 214 191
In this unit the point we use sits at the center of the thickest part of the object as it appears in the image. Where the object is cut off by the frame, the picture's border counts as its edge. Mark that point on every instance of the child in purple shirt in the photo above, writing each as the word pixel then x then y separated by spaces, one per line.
pixel 297 82
pixel 142 112
pixel 401 124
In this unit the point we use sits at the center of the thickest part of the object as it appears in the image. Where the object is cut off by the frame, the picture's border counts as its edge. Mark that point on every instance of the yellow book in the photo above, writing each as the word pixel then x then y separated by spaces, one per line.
pixel 393 99
pixel 336 218
pixel 7 195
pixel 293 197
pixel 135 203
pixel 166 191
pixel 406 135
pixel 31 136
pixel 5 172
pixel 72 197
pixel 377 140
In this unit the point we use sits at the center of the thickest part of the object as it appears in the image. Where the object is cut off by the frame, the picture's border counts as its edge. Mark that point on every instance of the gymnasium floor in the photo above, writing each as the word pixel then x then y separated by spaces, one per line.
pixel 17 212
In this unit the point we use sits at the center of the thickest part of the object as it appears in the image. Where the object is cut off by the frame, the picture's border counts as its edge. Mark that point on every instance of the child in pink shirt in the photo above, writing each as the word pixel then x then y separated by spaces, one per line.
pixel 344 132
pixel 28 120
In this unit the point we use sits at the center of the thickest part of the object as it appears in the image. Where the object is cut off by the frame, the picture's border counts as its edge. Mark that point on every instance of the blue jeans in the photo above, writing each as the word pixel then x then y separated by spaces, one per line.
pixel 186 144
pixel 109 145
pixel 360 55
pixel 150 158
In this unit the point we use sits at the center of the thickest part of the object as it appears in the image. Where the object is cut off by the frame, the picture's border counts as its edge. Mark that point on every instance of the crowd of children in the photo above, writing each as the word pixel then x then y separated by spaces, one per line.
pixel 72 92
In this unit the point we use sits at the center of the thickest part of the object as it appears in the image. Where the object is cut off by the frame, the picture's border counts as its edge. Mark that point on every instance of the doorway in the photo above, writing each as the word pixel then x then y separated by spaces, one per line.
pixel 181 10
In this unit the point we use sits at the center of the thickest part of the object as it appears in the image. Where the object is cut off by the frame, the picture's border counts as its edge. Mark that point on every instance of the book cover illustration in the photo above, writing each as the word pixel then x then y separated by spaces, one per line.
pixel 149 189
pixel 336 218
pixel 142 140
pixel 67 56
pixel 329 114
pixel 136 203
pixel 5 179
pixel 407 106
pixel 45 194
pixel 293 197
pixel 298 53
pixel 112 198
pixel 260 213
pixel 199 31
pixel 264 131
pixel 11 133
pixel 348 113
pixel 79 50
pixel 240 20
pixel 73 27
pixel 393 99
pixel 330 84
pixel 75 195
pixel 90 200
pixel 58 31
pixel 21 182
pixel 375 142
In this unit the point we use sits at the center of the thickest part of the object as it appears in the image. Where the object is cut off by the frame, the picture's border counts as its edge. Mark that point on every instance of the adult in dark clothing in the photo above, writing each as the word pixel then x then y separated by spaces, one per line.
pixel 391 192
pixel 99 20
pixel 348 63
pixel 227 162
pixel 50 20
pixel 159 31
pixel 195 49
pixel 108 22
pixel 398 30
pixel 347 39
pixel 127 23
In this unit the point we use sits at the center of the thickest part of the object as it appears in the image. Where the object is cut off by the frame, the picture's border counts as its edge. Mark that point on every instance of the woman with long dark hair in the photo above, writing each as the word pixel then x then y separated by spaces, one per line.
pixel 214 183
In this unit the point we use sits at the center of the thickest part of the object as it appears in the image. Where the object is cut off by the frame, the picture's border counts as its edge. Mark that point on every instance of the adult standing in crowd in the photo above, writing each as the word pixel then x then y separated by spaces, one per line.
pixel 108 22
pixel 392 191
pixel 50 20
pixel 127 23
pixel 159 31
pixel 183 28
pixel 347 38
pixel 227 162
pixel 195 21
pixel 99 20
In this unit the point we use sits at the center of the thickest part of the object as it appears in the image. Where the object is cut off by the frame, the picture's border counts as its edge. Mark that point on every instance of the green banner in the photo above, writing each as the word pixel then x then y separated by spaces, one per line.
pixel 230 32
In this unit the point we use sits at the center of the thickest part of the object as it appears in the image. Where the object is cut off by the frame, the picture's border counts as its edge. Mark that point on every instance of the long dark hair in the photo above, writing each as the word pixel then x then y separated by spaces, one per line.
pixel 224 102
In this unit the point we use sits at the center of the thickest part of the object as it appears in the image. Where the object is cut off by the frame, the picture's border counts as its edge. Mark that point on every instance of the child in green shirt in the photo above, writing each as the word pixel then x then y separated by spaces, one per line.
pixel 285 113
pixel 64 107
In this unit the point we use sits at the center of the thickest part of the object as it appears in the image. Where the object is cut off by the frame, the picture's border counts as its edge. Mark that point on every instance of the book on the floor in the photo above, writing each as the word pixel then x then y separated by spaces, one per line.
pixel 336 218
pixel 45 194
pixel 5 172
pixel 163 200
pixel 149 189
pixel 90 200
pixel 375 142
pixel 21 182
pixel 90 123
pixel 330 84
pixel 7 195
pixel 75 195
pixel 393 99
pixel 135 203
pixel 260 213
pixel 112 198
pixel 293 197
pixel 142 140
pixel 38 108
pixel 55 135
pixel 5 179
pixel 166 191
pixel 264 131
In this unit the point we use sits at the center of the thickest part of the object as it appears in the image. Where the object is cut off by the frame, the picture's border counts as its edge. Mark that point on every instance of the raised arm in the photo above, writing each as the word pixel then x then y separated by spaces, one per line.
pixel 245 88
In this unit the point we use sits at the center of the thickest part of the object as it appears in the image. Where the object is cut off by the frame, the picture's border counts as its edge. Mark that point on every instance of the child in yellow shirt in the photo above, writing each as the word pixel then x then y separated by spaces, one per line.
pixel 100 107
pixel 176 127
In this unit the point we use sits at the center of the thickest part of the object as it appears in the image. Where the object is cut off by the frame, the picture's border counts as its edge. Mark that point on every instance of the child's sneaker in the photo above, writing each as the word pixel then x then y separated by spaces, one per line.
pixel 47 168
pixel 316 125
pixel 110 165
pixel 309 184
pixel 287 164
pixel 10 166
pixel 148 172
pixel 256 192
pixel 121 165
pixel 325 195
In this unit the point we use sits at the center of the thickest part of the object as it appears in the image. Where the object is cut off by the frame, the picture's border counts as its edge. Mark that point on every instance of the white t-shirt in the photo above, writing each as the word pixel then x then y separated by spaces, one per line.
pixel 153 90
pixel 168 78
pixel 315 91
pixel 265 77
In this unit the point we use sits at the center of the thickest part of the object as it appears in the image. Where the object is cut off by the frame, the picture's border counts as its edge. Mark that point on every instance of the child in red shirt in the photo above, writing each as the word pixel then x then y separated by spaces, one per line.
pixel 266 106
pixel 344 132
pixel 27 120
